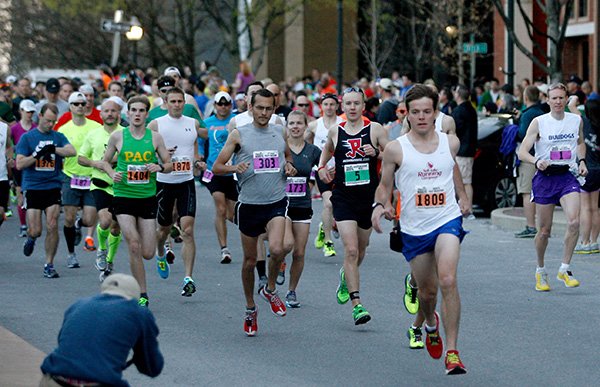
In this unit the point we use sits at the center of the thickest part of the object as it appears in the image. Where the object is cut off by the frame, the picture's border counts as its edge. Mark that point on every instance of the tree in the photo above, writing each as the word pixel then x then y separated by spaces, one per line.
pixel 555 34
pixel 377 46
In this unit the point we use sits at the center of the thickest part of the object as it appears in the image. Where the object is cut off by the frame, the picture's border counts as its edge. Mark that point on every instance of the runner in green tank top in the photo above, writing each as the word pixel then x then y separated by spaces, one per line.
pixel 134 203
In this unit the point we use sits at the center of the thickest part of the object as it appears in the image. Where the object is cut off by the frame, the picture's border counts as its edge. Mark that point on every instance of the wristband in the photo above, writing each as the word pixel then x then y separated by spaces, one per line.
pixel 535 163
pixel 377 204
pixel 377 152
pixel 321 167
pixel 580 160
pixel 162 168
pixel 196 162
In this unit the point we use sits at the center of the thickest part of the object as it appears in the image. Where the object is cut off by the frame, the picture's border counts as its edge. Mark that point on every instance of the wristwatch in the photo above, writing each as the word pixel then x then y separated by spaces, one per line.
pixel 377 204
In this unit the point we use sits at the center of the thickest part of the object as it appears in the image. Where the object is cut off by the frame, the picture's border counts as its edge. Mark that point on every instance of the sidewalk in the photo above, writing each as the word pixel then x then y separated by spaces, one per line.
pixel 19 361
pixel 513 219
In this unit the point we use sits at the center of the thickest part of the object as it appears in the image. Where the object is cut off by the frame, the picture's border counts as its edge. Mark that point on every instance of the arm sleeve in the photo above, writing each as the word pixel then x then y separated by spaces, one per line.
pixel 22 147
pixel 146 354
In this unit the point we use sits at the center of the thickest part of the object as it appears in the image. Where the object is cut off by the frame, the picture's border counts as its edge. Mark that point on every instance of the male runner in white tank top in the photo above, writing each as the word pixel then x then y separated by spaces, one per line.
pixel 317 134
pixel 421 164
pixel 180 135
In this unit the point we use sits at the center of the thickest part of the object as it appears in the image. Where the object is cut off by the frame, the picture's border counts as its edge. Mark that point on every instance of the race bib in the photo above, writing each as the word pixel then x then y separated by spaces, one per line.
pixel 296 187
pixel 207 176
pixel 266 161
pixel 356 174
pixel 42 165
pixel 181 165
pixel 138 174
pixel 81 182
pixel 430 197
pixel 560 153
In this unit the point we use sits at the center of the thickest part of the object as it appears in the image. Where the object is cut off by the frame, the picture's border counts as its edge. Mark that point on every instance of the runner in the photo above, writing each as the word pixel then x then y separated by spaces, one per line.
pixel 264 161
pixel 317 134
pixel 40 156
pixel 356 145
pixel 76 184
pixel 90 155
pixel 6 163
pixel 222 188
pixel 421 164
pixel 297 225
pixel 557 137
pixel 180 136
pixel 134 203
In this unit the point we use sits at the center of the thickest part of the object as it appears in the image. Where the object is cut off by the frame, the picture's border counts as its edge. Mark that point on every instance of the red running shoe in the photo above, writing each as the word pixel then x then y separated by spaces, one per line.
pixel 434 343
pixel 277 306
pixel 88 244
pixel 453 364
pixel 251 322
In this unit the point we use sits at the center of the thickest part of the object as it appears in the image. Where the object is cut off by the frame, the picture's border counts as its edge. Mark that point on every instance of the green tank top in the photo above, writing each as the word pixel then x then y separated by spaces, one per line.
pixel 137 181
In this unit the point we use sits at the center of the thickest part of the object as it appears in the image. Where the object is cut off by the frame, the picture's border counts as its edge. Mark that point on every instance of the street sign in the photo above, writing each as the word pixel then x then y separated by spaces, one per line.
pixel 108 25
pixel 475 48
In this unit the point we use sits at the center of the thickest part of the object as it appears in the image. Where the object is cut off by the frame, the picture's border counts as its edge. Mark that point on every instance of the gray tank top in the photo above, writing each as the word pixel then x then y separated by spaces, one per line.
pixel 264 181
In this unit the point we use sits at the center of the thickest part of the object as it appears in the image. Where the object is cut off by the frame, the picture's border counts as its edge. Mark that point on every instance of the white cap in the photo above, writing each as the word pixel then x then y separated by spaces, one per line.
pixel 543 88
pixel 122 285
pixel 87 89
pixel 240 96
pixel 77 97
pixel 220 95
pixel 11 79
pixel 171 70
pixel 117 100
pixel 27 105
pixel 386 84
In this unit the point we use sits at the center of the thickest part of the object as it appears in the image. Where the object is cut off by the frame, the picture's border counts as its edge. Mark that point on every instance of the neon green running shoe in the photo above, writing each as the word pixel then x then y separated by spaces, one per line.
pixel 342 291
pixel 360 315
pixel 329 249
pixel 415 338
pixel 411 302
pixel 143 301
pixel 320 239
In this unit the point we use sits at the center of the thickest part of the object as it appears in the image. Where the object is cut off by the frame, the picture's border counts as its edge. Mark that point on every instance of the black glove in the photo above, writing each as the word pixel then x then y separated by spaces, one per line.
pixel 37 150
pixel 46 151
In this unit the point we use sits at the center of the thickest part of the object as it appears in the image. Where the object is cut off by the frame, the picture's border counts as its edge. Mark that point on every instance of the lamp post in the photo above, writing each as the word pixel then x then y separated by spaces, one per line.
pixel 135 33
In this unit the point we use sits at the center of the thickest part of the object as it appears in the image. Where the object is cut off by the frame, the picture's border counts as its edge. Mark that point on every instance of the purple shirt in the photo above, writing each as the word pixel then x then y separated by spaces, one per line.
pixel 16 131
pixel 245 80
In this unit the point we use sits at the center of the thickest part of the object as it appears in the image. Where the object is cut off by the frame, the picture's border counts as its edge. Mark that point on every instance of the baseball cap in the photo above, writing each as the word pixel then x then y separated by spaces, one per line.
pixel 220 95
pixel 165 81
pixel 86 89
pixel 27 105
pixel 386 84
pixel 329 95
pixel 543 88
pixel 574 78
pixel 240 96
pixel 77 97
pixel 171 70
pixel 52 85
pixel 122 285
pixel 118 100
pixel 11 79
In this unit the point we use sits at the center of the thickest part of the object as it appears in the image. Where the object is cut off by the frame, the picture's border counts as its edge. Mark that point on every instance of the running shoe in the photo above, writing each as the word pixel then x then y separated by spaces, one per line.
pixel 72 262
pixel 290 300
pixel 277 306
pixel 251 322
pixel 77 231
pixel 225 256
pixel 453 364
pixel 175 232
pixel 169 253
pixel 106 272
pixel 568 279
pixel 28 246
pixel 281 274
pixel 49 271
pixel 334 231
pixel 433 342
pixel 582 249
pixel 88 244
pixel 320 239
pixel 8 213
pixel 342 294
pixel 328 249
pixel 360 315
pixel 162 267
pixel 101 259
pixel 415 338
pixel 23 231
pixel 541 282
pixel 528 232
pixel 411 302
pixel 143 301
pixel 594 249
pixel 262 282
pixel 189 287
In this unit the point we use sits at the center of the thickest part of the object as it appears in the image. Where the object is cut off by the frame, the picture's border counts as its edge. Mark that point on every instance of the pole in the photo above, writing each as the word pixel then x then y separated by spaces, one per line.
pixel 461 67
pixel 116 40
pixel 340 49
pixel 510 50
pixel 472 75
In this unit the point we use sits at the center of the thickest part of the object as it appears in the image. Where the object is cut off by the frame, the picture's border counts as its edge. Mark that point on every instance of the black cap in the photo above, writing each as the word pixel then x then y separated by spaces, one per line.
pixel 165 81
pixel 576 79
pixel 52 85
pixel 330 95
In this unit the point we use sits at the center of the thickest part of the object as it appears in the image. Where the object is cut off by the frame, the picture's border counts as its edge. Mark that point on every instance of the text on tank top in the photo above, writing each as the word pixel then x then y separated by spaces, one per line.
pixel 180 133
pixel 137 181
pixel 558 139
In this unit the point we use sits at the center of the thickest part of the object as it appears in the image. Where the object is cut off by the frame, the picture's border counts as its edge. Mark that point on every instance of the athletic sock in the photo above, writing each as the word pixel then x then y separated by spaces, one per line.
pixel 70 238
pixel 564 268
pixel 102 236
pixel 261 268
pixel 113 245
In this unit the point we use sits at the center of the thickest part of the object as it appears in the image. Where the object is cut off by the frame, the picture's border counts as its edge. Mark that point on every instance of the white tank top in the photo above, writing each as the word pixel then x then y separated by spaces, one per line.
pixel 321 132
pixel 180 132
pixel 558 139
pixel 426 187
pixel 438 121
pixel 3 139
pixel 246 118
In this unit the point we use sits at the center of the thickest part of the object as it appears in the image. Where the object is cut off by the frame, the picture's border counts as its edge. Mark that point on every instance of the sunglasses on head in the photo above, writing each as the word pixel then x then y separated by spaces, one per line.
pixel 78 103
pixel 353 90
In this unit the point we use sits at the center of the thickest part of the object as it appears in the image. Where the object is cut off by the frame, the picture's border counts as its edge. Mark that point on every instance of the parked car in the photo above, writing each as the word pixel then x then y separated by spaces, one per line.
pixel 494 185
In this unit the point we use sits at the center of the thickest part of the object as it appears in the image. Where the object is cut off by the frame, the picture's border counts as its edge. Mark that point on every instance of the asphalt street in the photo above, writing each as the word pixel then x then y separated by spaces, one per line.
pixel 510 335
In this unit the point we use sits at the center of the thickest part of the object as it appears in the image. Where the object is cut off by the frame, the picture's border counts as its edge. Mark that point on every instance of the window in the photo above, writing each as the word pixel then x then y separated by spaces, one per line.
pixel 582 8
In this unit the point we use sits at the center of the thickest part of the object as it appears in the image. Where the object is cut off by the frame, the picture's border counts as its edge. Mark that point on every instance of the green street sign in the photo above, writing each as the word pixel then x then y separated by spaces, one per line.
pixel 475 48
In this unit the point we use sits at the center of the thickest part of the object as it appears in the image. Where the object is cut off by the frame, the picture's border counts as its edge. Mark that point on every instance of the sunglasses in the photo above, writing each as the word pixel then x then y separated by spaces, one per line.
pixel 165 90
pixel 402 111
pixel 223 103
pixel 303 105
pixel 79 103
